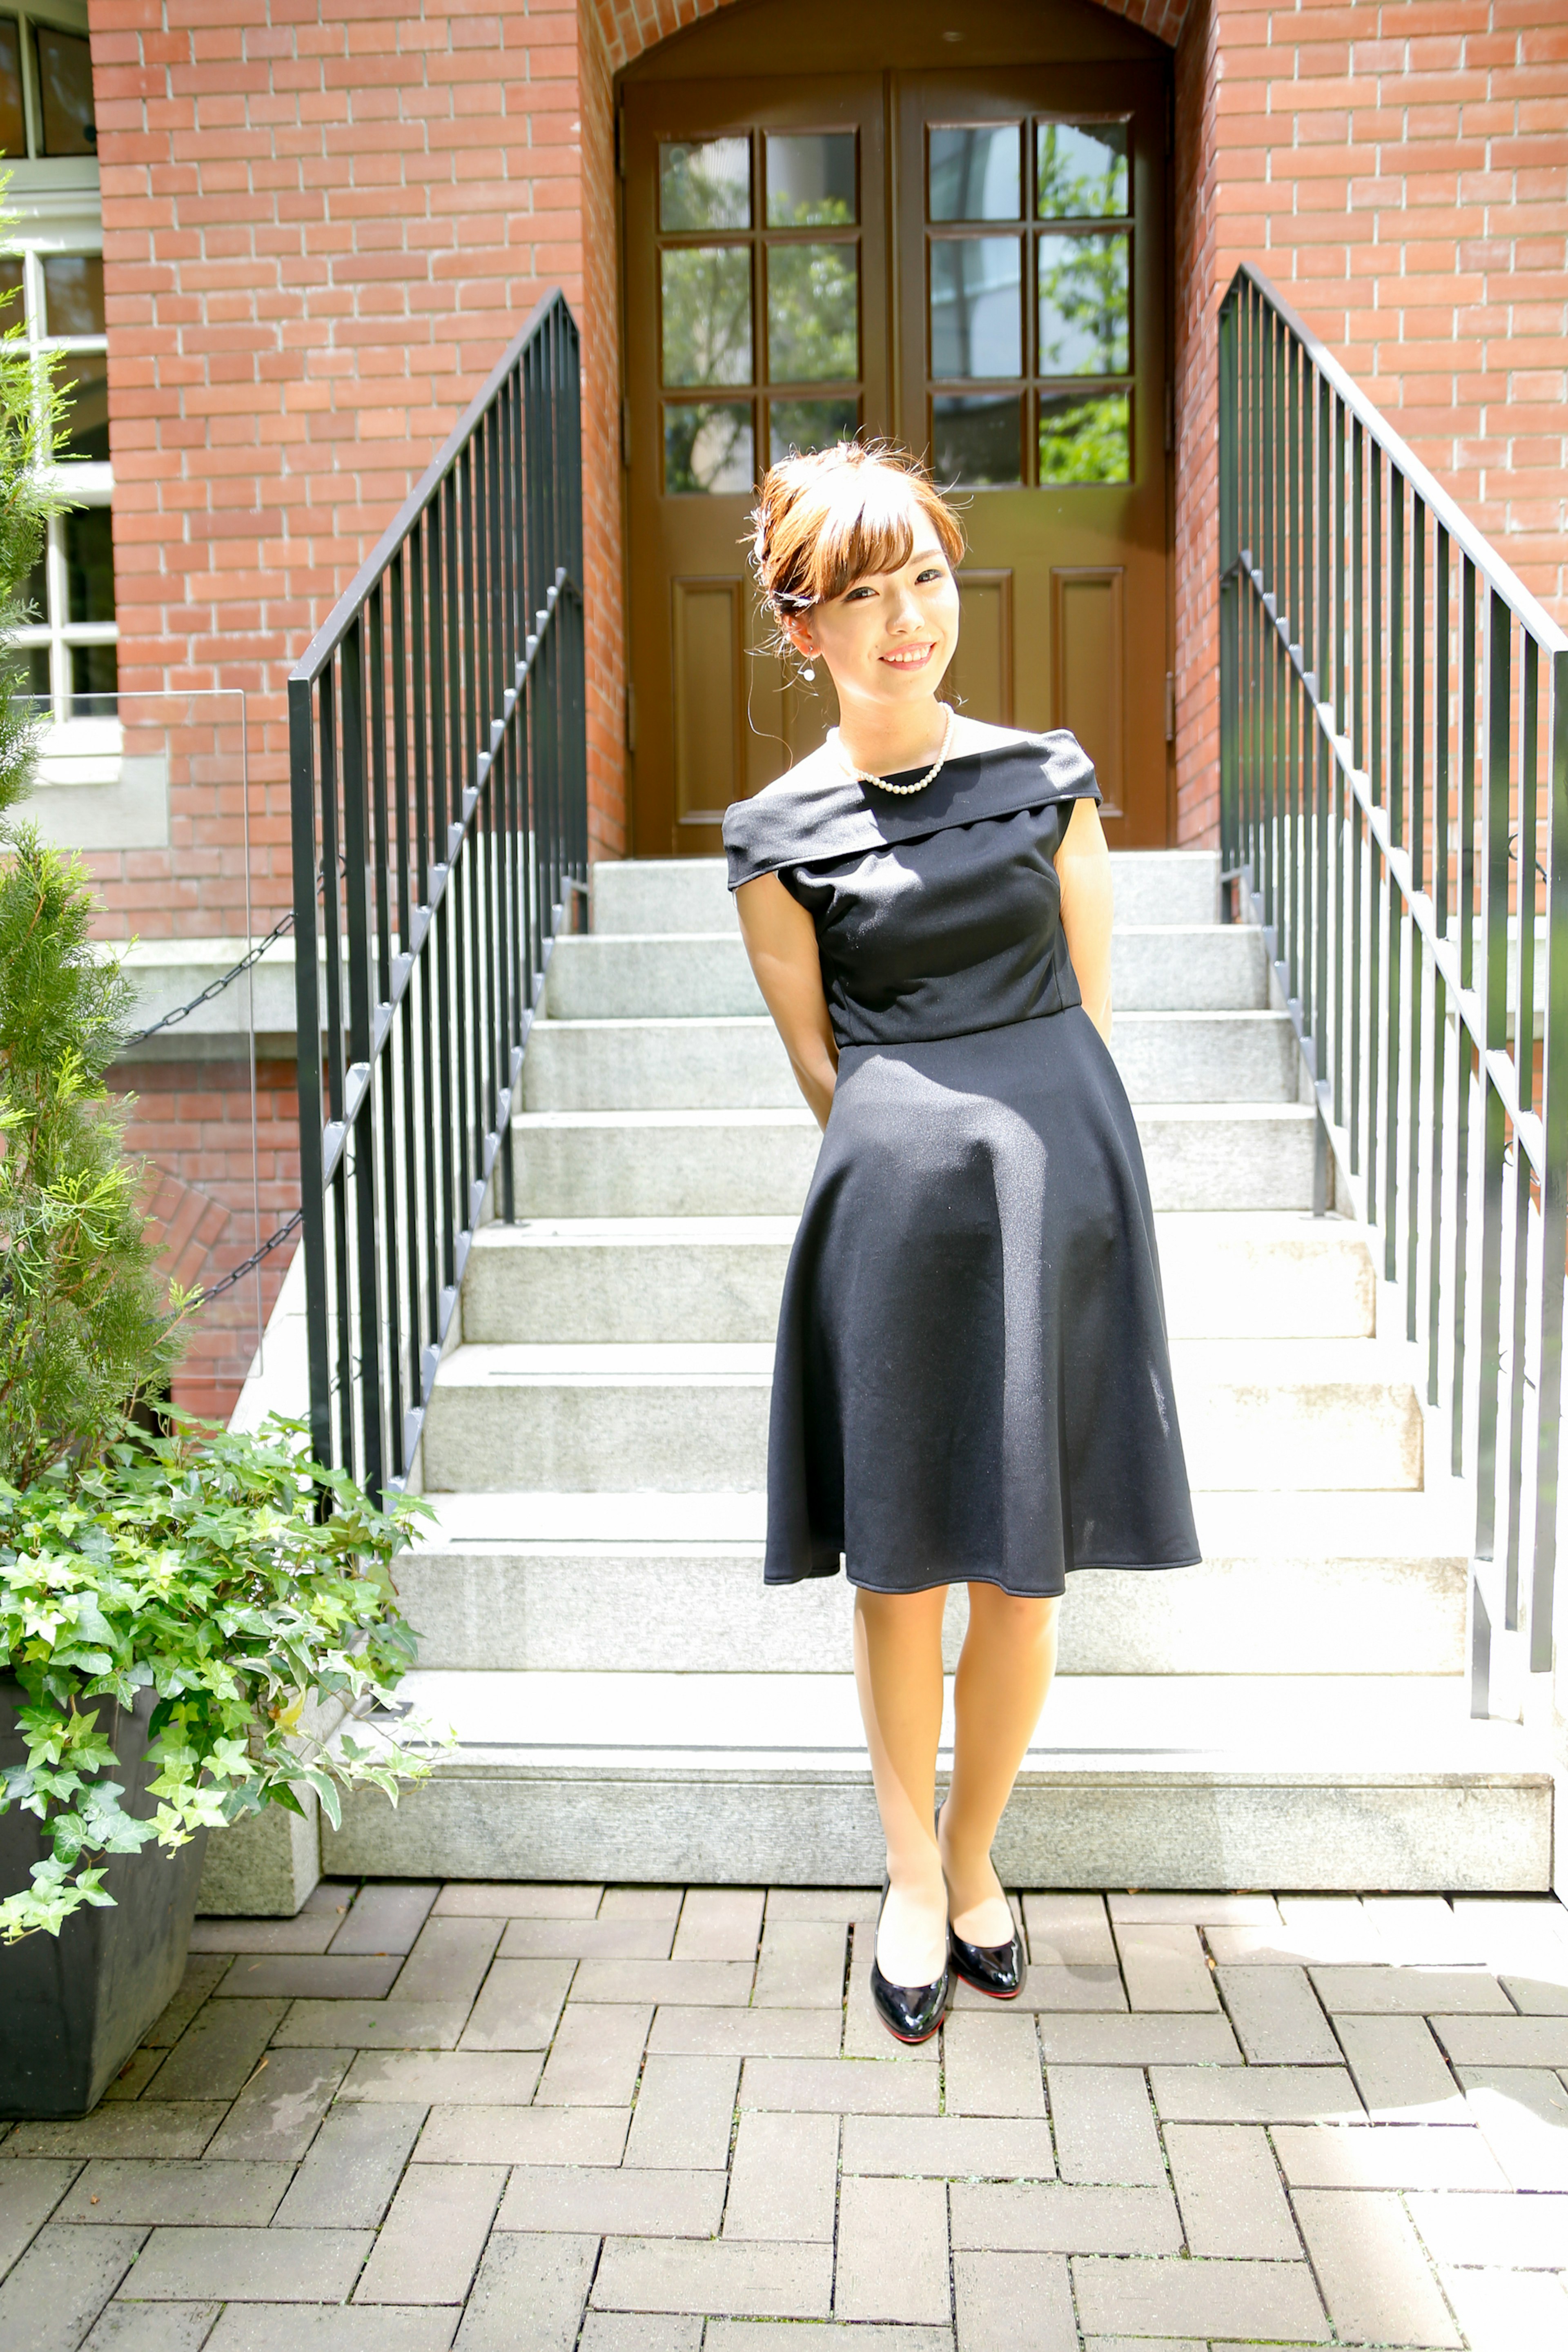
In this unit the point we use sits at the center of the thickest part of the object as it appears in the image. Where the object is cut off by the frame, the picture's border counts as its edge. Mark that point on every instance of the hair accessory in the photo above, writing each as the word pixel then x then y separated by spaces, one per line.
pixel 859 775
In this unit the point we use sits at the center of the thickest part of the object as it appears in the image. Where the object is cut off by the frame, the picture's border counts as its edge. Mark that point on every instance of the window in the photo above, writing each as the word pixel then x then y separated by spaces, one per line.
pixel 45 88
pixel 1040 312
pixel 70 640
pixel 760 326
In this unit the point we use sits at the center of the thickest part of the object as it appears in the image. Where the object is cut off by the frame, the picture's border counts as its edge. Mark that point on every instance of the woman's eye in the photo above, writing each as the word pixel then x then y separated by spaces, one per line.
pixel 933 573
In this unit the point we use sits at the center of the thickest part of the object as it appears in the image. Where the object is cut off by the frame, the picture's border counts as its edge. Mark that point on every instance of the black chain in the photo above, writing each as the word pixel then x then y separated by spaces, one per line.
pixel 215 987
pixel 237 1275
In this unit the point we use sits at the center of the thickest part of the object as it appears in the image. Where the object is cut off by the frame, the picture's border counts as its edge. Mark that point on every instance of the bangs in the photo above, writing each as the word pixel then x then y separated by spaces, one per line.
pixel 868 525
pixel 825 520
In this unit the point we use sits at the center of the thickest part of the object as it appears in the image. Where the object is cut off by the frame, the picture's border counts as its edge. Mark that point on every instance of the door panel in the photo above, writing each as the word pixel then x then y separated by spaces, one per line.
pixel 981 677
pixel 1089 671
pixel 756 280
pixel 710 640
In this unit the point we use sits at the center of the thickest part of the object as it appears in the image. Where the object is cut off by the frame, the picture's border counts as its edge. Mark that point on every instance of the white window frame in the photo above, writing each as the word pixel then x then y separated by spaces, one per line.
pixel 57 209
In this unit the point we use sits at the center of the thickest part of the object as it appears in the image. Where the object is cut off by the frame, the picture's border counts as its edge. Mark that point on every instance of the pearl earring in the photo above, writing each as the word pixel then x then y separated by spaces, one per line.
pixel 808 674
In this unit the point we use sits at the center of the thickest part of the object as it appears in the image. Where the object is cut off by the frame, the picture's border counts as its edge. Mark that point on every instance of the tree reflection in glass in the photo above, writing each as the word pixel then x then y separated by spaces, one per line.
pixel 1084 309
pixel 706 302
pixel 705 183
pixel 811 179
pixel 1086 439
pixel 1081 171
pixel 796 427
pixel 814 331
pixel 708 447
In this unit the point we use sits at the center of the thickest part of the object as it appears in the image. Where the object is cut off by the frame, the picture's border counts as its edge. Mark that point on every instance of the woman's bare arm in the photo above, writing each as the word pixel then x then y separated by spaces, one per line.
pixel 1083 870
pixel 781 939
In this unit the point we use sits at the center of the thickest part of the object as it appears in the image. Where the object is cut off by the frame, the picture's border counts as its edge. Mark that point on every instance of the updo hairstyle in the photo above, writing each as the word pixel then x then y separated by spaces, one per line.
pixel 821 522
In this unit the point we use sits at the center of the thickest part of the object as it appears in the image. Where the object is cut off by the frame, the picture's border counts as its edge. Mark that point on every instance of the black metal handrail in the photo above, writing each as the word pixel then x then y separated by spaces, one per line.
pixel 1388 688
pixel 437 755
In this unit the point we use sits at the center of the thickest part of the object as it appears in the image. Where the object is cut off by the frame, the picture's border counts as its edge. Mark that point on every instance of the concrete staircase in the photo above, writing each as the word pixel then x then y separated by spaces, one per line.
pixel 630 1703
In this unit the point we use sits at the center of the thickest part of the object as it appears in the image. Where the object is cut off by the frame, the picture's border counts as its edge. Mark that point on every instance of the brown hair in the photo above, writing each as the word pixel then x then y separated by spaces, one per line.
pixel 822 522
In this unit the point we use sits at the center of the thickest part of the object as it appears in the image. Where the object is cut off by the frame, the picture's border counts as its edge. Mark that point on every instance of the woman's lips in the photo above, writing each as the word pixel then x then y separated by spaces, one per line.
pixel 913 658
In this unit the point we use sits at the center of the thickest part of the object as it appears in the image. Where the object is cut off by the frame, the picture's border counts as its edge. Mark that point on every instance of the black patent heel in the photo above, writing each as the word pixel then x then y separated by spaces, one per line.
pixel 998 1971
pixel 911 2013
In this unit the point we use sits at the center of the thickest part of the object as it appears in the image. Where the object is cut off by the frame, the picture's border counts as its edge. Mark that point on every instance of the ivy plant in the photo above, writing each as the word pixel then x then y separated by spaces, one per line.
pixel 240 1581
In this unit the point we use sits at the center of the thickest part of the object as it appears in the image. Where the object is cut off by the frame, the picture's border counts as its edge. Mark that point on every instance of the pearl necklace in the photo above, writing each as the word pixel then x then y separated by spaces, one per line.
pixel 861 776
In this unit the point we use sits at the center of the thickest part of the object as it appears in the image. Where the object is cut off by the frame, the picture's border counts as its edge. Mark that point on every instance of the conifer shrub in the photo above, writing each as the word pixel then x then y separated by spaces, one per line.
pixel 247 1587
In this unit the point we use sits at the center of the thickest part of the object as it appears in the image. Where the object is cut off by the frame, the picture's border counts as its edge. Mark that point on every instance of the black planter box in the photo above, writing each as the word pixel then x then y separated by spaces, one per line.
pixel 74 2006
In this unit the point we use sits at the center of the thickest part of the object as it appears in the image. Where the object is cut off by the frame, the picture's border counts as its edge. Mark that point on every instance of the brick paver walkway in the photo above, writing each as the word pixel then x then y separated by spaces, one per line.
pixel 568 2119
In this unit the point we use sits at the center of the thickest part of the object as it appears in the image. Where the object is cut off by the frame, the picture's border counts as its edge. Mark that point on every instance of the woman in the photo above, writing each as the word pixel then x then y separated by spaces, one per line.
pixel 971 1382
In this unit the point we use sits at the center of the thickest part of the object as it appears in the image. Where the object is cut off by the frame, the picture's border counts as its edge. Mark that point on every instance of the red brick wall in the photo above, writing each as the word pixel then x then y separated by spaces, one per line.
pixel 323 220
pixel 192 1121
pixel 1399 168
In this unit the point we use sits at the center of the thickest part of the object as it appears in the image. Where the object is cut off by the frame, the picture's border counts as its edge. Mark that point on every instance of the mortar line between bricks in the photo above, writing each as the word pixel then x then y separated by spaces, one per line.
pixel 588 2298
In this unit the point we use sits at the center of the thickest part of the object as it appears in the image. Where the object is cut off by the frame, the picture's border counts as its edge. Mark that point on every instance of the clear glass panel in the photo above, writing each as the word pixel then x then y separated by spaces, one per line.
pixel 976 174
pixel 810 180
pixel 708 445
pixel 1086 438
pixel 10 290
pixel 705 183
pixel 707 314
pixel 73 294
pixel 1084 304
pixel 12 122
pixel 799 426
pixel 95 674
pixel 976 438
pixel 38 685
pixel 90 564
pixel 976 320
pixel 65 89
pixel 1081 171
pixel 814 312
pixel 85 383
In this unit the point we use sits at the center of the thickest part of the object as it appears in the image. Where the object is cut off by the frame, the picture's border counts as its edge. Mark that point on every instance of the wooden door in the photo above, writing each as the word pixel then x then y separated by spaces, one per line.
pixel 973 259
pixel 1031 276
pixel 756 286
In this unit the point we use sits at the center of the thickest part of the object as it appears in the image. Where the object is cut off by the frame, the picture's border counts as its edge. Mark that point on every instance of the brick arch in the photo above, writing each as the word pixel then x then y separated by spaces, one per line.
pixel 626 29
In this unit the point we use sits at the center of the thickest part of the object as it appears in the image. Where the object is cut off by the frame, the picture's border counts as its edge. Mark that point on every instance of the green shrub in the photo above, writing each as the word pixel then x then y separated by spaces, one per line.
pixel 244 1584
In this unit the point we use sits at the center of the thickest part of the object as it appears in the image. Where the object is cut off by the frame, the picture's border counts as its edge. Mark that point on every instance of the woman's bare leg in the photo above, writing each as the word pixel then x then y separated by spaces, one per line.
pixel 1004 1673
pixel 898 1671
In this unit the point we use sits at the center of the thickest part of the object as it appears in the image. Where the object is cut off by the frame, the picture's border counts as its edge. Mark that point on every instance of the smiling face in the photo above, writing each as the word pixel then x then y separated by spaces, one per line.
pixel 890 636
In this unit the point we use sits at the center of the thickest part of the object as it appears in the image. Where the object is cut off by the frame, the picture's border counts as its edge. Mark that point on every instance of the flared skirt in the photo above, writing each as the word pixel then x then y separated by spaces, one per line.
pixel 971 1379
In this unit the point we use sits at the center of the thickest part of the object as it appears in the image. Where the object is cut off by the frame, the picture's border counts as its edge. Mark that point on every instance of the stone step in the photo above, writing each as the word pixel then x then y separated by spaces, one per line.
pixel 616 1280
pixel 691 894
pixel 1257 1414
pixel 599 976
pixel 720 1063
pixel 1146 1782
pixel 622 1583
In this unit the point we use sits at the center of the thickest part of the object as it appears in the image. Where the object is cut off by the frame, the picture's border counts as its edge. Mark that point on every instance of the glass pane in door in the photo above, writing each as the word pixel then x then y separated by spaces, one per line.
pixel 975 439
pixel 796 428
pixel 976 320
pixel 1081 171
pixel 1085 306
pixel 974 172
pixel 705 183
pixel 811 179
pixel 706 309
pixel 1086 438
pixel 813 328
pixel 708 445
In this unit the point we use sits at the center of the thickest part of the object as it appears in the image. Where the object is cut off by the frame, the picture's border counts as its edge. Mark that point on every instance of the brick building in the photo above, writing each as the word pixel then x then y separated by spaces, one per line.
pixel 302 231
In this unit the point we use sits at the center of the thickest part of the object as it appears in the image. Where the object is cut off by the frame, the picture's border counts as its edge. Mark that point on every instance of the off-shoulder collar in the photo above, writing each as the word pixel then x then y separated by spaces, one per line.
pixel 817 811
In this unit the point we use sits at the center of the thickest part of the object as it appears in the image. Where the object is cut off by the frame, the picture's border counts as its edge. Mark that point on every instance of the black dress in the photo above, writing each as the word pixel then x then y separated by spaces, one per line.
pixel 972 1379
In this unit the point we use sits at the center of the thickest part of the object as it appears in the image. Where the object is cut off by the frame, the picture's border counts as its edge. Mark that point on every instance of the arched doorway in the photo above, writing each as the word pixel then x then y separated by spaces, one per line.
pixel 968 250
